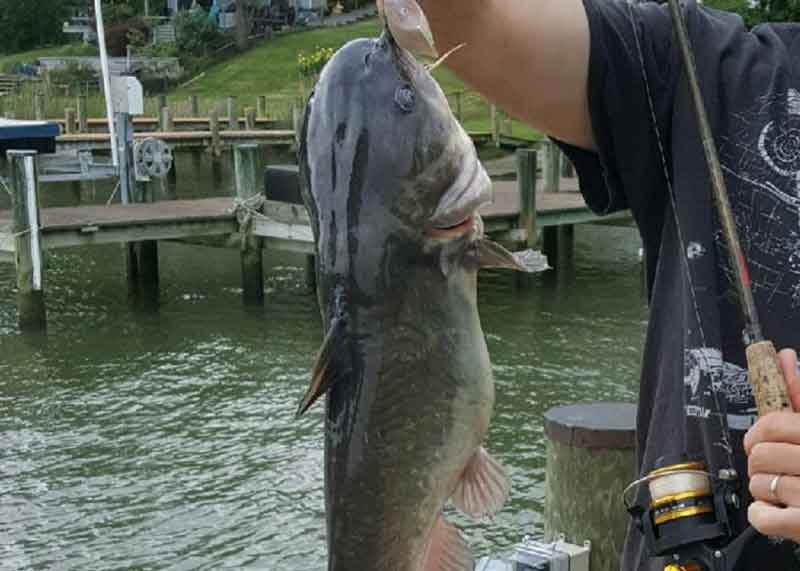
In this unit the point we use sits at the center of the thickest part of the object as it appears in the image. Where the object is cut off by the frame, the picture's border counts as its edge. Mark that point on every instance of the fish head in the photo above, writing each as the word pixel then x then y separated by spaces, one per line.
pixel 390 178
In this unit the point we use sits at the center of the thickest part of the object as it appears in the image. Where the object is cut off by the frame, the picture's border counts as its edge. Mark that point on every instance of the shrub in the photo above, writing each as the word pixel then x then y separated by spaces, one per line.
pixel 311 64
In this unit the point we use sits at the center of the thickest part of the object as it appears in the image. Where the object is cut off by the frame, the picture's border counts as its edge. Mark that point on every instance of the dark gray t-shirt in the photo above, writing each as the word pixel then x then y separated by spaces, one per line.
pixel 694 380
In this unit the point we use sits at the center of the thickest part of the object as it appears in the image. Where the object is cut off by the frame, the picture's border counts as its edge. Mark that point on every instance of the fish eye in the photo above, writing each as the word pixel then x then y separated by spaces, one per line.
pixel 405 98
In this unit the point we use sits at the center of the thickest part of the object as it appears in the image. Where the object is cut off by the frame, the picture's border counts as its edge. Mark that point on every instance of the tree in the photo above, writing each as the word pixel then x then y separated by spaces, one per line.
pixel 27 25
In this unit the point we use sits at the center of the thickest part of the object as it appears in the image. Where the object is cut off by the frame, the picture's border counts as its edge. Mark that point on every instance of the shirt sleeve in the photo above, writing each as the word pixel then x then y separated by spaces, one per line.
pixel 633 67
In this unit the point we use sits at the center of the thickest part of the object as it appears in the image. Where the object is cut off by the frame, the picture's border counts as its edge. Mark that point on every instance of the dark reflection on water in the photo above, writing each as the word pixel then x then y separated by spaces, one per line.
pixel 167 440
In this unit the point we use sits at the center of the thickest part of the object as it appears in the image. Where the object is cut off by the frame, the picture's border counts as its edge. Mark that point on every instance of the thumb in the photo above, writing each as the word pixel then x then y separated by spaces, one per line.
pixel 788 362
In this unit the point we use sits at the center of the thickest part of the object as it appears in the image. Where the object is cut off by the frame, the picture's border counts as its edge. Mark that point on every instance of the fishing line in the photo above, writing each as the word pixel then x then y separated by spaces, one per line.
pixel 723 421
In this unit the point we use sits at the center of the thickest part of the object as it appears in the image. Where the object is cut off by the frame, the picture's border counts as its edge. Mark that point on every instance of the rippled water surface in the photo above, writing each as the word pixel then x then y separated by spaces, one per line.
pixel 167 440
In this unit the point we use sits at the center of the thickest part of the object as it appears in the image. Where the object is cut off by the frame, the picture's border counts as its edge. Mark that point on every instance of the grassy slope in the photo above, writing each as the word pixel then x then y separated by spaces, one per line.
pixel 271 68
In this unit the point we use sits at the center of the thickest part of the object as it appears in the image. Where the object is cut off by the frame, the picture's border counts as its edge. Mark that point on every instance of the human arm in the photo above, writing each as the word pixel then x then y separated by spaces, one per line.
pixel 773 449
pixel 531 58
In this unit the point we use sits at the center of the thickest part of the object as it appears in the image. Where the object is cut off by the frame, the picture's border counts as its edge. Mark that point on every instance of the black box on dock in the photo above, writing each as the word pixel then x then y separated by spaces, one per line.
pixel 282 183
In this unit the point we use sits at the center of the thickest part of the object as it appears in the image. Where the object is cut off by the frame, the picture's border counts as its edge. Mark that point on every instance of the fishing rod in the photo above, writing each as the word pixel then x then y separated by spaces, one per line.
pixel 689 516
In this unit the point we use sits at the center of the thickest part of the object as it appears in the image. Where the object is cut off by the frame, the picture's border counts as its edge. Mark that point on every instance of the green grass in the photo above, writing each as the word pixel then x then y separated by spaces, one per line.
pixel 8 61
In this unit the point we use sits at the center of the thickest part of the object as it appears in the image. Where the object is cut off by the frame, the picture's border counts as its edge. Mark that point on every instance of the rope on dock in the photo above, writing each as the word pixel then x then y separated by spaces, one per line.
pixel 246 212
pixel 4 184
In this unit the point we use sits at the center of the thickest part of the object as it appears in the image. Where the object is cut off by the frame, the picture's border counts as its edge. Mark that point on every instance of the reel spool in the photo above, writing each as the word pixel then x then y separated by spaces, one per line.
pixel 152 158
pixel 687 517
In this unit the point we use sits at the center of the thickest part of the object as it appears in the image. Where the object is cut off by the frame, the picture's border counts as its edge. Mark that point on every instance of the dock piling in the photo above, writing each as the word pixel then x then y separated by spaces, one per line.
pixel 590 460
pixel 249 119
pixel 552 168
pixel 165 120
pixel 69 121
pixel 31 311
pixel 247 189
pixel 261 106
pixel 233 116
pixel 194 106
pixel 213 125
pixel 83 116
pixel 526 180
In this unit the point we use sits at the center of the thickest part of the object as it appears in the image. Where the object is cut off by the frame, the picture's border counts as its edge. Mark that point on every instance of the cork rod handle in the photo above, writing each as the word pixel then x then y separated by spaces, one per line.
pixel 769 386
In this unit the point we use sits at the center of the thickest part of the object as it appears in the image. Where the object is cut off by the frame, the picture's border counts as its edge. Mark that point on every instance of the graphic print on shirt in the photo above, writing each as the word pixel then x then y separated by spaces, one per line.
pixel 761 160
pixel 705 373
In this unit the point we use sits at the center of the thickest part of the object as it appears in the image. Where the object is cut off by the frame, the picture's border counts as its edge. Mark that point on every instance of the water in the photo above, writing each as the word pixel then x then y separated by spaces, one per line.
pixel 167 440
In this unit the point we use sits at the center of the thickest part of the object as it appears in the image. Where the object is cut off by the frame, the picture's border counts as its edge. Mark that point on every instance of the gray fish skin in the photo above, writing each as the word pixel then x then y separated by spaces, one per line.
pixel 383 162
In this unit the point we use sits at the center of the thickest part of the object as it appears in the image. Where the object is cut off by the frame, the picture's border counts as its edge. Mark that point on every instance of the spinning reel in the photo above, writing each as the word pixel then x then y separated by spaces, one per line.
pixel 688 517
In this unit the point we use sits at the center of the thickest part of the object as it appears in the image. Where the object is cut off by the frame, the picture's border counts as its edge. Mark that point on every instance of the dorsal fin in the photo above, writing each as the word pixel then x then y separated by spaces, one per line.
pixel 331 364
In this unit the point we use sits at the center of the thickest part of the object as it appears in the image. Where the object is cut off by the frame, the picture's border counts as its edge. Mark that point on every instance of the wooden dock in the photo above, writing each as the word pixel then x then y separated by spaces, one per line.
pixel 519 214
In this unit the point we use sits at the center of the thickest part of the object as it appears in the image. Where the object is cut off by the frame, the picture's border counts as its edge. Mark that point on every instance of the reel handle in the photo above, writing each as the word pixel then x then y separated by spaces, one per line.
pixel 769 386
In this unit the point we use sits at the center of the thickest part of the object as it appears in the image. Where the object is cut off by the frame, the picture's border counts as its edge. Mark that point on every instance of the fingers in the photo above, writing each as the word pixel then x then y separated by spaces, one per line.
pixel 775 427
pixel 788 361
pixel 775 521
pixel 787 490
pixel 774 458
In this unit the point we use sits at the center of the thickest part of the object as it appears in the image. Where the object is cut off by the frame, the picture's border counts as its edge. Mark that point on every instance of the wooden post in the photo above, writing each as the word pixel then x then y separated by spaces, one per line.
pixel 495 125
pixel 165 120
pixel 69 121
pixel 194 106
pixel 38 103
pixel 247 187
pixel 216 141
pixel 558 244
pixel 567 168
pixel 526 180
pixel 83 118
pixel 590 460
pixel 162 102
pixel 233 115
pixel 459 109
pixel 526 177
pixel 296 124
pixel 261 106
pixel 552 171
pixel 249 119
pixel 31 312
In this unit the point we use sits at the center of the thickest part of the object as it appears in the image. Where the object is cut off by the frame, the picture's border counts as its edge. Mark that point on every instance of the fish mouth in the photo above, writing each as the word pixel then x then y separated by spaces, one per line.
pixel 457 212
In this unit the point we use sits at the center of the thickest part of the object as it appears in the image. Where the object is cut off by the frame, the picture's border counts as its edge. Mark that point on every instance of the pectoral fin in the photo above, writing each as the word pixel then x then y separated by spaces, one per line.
pixel 483 487
pixel 447 550
pixel 331 365
pixel 493 255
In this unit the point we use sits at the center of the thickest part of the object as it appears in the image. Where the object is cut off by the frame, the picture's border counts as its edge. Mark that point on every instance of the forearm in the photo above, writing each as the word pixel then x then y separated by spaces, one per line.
pixel 531 57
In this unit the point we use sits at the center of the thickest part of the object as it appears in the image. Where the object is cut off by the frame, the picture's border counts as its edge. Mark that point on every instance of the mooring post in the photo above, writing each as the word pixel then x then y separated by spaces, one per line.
pixel 249 119
pixel 38 104
pixel 69 121
pixel 162 102
pixel 296 124
pixel 31 312
pixel 590 461
pixel 247 190
pixel 233 115
pixel 261 106
pixel 558 244
pixel 526 180
pixel 213 125
pixel 165 120
pixel 194 106
pixel 83 118
pixel 552 170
